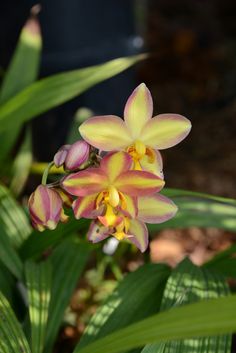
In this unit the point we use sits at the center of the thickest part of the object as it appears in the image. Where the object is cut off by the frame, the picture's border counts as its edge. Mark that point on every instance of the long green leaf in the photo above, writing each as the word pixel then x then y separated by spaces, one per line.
pixel 38 279
pixel 188 284
pixel 193 320
pixel 13 220
pixel 38 242
pixel 68 261
pixel 22 71
pixel 9 256
pixel 12 339
pixel 7 282
pixel 55 90
pixel 136 297
pixel 200 210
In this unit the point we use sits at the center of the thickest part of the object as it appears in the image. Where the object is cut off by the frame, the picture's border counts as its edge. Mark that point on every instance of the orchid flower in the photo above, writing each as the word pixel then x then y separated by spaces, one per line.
pixel 151 209
pixel 139 134
pixel 110 192
pixel 45 207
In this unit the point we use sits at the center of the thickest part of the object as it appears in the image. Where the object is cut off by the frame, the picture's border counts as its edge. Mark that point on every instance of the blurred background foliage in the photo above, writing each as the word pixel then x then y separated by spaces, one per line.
pixel 59 293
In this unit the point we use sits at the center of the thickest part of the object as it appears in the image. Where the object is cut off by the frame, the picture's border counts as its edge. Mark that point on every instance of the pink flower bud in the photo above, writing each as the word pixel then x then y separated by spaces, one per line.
pixel 60 156
pixel 77 155
pixel 45 207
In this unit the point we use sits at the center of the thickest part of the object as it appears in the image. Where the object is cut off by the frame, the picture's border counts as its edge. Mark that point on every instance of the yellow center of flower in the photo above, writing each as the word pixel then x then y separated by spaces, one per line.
pixel 121 229
pixel 111 199
pixel 138 151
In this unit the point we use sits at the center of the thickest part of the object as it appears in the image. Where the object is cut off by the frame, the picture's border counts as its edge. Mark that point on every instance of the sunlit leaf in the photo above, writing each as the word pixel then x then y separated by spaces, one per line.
pixel 187 284
pixel 12 338
pixel 38 280
pixel 68 261
pixel 55 90
pixel 136 297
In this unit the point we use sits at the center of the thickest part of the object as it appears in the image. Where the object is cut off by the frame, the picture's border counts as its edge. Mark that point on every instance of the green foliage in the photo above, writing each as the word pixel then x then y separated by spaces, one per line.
pixel 68 261
pixel 38 280
pixel 188 284
pixel 200 210
pixel 12 338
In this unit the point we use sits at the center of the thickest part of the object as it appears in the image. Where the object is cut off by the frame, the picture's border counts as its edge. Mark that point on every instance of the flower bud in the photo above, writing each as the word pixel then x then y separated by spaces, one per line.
pixel 45 207
pixel 60 156
pixel 77 155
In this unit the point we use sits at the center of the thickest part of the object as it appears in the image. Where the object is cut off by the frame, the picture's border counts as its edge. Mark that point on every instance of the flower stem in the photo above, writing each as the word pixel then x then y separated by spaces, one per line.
pixel 46 172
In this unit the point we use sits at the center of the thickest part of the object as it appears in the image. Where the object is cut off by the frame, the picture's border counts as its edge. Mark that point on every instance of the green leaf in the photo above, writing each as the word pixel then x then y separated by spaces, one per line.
pixel 22 71
pixel 200 210
pixel 193 320
pixel 21 166
pixel 38 279
pixel 12 338
pixel 136 297
pixel 38 242
pixel 7 282
pixel 188 284
pixel 55 90
pixel 9 256
pixel 68 260
pixel 224 262
pixel 13 220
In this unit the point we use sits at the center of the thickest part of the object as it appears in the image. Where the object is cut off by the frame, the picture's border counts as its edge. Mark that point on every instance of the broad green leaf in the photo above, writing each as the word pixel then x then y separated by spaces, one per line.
pixel 22 71
pixel 136 297
pixel 13 220
pixel 224 262
pixel 21 166
pixel 188 284
pixel 9 256
pixel 68 261
pixel 55 90
pixel 38 242
pixel 12 338
pixel 193 320
pixel 38 280
pixel 200 210
pixel 7 282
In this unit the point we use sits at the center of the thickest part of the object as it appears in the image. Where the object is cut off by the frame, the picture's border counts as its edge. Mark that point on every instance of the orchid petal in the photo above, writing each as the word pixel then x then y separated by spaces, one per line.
pixel 97 232
pixel 138 110
pixel 129 206
pixel 165 130
pixel 85 182
pixel 60 156
pixel 156 209
pixel 85 207
pixel 138 234
pixel 153 164
pixel 77 155
pixel 113 164
pixel 139 183
pixel 107 133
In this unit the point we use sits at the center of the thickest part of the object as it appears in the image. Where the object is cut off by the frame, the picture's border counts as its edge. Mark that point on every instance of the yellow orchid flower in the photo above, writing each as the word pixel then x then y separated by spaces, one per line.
pixel 139 134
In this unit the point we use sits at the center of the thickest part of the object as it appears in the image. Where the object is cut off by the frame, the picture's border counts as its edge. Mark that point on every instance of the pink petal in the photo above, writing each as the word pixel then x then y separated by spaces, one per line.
pixel 107 133
pixel 165 130
pixel 85 207
pixel 138 234
pixel 85 182
pixel 156 209
pixel 139 183
pixel 60 156
pixel 97 232
pixel 138 110
pixel 77 155
pixel 113 164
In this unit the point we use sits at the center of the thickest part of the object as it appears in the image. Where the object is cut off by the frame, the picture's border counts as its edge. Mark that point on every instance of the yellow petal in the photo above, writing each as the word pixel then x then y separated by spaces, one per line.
pixel 107 133
pixel 138 110
pixel 165 130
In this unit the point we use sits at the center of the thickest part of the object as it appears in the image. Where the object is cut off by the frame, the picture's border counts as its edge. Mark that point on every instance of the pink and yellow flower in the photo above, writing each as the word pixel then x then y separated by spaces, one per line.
pixel 46 208
pixel 139 134
pixel 110 192
pixel 150 209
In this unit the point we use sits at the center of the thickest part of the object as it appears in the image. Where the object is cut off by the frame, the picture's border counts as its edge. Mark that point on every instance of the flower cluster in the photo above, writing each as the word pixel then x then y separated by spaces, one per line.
pixel 114 175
